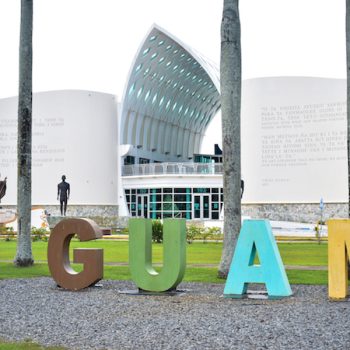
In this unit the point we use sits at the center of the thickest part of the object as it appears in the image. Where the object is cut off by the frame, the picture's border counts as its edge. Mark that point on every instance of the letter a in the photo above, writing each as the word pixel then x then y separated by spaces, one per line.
pixel 338 255
pixel 256 237
pixel 140 254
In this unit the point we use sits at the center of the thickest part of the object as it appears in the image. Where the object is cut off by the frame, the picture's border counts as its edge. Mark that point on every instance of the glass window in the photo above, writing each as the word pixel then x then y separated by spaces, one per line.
pixel 144 161
pixel 129 160
pixel 201 190
pixel 147 95
pixel 215 206
pixel 139 92
pixel 180 206
pixel 179 190
pixel 167 190
pixel 161 43
pixel 146 51
pixel 132 88
pixel 215 197
pixel 180 198
pixel 152 38
pixel 215 215
pixel 154 55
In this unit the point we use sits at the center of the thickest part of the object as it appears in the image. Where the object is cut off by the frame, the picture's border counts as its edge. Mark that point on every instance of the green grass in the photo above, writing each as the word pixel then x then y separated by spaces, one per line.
pixel 197 253
pixel 192 274
pixel 311 254
pixel 26 345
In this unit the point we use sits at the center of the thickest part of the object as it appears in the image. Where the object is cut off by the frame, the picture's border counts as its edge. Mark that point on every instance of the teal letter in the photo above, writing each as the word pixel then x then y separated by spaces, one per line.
pixel 140 254
pixel 256 237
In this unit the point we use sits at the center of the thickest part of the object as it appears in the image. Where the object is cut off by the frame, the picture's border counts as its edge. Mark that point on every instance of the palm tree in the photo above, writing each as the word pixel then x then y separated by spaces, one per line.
pixel 230 77
pixel 24 143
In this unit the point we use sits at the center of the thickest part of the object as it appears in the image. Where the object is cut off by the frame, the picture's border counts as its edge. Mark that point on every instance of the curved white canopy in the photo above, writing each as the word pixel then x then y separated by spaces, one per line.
pixel 171 96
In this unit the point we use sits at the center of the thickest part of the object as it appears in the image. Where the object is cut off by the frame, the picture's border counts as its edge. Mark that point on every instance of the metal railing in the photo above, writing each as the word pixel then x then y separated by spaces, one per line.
pixel 172 168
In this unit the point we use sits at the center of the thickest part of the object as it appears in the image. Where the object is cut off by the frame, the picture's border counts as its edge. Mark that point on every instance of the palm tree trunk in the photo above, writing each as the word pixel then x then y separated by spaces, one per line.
pixel 230 77
pixel 24 143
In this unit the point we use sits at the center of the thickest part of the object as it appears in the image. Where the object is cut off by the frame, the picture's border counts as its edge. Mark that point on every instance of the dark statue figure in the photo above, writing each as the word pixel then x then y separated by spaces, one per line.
pixel 2 188
pixel 63 191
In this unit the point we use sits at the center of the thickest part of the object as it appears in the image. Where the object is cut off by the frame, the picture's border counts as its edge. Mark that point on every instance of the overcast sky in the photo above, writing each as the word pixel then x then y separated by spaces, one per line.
pixel 89 44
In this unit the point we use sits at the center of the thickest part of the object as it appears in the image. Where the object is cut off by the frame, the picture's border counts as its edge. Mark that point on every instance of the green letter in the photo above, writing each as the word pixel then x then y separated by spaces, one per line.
pixel 140 254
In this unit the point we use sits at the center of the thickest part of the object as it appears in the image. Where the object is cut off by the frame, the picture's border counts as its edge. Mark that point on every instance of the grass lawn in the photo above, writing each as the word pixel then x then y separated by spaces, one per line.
pixel 193 274
pixel 311 254
pixel 26 345
pixel 197 253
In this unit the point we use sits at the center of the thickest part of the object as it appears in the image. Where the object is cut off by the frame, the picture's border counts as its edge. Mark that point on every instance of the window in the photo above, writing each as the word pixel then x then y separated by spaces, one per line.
pixel 160 203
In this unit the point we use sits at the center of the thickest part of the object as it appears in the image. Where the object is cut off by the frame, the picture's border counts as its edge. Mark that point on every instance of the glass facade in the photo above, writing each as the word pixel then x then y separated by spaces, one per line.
pixel 188 203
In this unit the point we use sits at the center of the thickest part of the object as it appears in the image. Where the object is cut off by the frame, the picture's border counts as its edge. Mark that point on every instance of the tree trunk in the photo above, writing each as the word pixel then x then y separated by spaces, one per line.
pixel 230 77
pixel 24 143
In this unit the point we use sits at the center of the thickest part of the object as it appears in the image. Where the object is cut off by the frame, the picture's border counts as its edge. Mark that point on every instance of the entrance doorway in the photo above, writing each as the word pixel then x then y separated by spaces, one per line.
pixel 201 206
pixel 142 205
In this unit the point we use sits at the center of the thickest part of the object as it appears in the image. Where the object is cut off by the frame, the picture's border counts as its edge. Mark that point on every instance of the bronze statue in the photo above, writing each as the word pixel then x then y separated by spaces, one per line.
pixel 2 188
pixel 63 192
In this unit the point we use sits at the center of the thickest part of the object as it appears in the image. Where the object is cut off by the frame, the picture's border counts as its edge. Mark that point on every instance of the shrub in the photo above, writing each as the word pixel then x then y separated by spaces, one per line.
pixel 157 231
pixel 214 233
pixel 39 234
pixel 7 232
pixel 192 231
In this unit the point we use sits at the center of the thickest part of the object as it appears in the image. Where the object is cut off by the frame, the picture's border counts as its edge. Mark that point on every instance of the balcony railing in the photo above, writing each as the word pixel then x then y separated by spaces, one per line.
pixel 172 168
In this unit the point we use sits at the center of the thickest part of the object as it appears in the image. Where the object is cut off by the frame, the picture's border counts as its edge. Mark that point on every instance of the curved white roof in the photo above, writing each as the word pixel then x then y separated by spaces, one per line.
pixel 171 96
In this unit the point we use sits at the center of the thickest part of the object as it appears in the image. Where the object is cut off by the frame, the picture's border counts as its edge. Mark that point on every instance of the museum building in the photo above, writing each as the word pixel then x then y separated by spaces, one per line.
pixel 142 157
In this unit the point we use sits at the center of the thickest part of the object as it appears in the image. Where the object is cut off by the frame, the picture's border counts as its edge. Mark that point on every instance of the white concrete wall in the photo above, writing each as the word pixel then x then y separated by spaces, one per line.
pixel 293 140
pixel 74 133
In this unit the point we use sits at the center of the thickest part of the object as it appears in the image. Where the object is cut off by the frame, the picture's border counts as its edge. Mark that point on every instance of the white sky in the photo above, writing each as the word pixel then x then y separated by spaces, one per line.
pixel 90 44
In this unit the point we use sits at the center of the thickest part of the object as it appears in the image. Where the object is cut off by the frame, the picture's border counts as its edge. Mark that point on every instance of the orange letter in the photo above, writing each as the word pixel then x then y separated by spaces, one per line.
pixel 58 254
